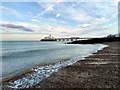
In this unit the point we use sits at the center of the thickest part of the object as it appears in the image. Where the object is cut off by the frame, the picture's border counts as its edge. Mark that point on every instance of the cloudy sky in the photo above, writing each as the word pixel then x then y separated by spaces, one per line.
pixel 35 20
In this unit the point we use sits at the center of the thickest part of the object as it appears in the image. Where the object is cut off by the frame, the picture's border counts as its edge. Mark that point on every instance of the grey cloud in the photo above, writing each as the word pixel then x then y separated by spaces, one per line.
pixel 17 27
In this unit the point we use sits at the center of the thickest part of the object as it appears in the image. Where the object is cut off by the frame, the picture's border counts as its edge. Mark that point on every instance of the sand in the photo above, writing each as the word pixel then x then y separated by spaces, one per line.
pixel 100 70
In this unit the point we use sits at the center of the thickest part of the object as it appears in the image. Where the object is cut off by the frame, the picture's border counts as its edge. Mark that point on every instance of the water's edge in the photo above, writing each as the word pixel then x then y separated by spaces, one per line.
pixel 39 73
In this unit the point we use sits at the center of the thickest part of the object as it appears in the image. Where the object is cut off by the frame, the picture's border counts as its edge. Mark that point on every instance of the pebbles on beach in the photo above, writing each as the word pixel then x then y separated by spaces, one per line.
pixel 36 75
pixel 100 70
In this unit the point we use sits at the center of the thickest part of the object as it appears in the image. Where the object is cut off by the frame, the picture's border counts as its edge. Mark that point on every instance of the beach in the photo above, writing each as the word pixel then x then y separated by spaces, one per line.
pixel 100 70
pixel 28 63
pixel 57 44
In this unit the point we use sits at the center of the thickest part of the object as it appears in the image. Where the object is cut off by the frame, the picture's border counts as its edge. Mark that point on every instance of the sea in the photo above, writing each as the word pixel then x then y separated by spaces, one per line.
pixel 42 58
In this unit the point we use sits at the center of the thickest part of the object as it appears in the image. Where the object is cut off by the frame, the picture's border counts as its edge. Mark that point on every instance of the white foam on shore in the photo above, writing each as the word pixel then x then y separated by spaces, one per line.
pixel 41 73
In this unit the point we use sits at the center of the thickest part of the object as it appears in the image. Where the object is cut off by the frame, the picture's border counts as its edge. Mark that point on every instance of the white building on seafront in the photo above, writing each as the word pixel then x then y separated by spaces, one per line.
pixel 49 37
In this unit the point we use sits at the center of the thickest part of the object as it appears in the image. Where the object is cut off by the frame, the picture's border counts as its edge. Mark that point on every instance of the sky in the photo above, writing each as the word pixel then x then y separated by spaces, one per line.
pixel 35 20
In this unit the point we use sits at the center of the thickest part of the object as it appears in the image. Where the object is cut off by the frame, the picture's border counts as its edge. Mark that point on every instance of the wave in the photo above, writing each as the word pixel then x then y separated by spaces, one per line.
pixel 25 52
pixel 41 73
pixel 15 52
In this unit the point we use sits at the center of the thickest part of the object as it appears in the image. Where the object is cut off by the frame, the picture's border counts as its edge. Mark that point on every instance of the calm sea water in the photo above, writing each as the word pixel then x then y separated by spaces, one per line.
pixel 19 56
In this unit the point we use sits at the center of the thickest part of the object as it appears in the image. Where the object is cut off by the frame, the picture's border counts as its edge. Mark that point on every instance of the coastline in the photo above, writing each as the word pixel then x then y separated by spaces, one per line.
pixel 60 75
pixel 35 75
pixel 100 70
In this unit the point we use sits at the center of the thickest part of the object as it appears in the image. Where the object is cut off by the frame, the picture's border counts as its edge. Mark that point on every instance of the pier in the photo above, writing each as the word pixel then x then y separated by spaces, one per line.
pixel 71 39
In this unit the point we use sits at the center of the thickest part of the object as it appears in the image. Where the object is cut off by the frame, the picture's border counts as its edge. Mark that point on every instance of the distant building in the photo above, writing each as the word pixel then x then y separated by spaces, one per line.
pixel 117 35
pixel 110 35
pixel 49 37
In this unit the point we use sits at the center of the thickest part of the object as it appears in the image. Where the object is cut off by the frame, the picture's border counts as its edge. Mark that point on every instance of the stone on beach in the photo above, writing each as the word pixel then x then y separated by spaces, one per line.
pixel 100 70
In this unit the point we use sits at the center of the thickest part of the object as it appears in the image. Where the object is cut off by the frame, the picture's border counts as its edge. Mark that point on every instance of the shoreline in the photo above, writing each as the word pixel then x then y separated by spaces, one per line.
pixel 100 70
pixel 25 72
pixel 30 71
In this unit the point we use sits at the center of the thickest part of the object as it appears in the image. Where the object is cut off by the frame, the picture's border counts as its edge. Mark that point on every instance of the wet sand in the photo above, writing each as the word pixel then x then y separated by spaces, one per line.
pixel 100 70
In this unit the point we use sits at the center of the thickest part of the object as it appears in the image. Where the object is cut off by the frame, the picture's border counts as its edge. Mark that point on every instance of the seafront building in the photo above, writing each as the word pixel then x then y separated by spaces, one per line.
pixel 49 37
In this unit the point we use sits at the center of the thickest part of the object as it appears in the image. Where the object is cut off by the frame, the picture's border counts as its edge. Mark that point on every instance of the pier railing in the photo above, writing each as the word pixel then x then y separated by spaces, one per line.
pixel 71 39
